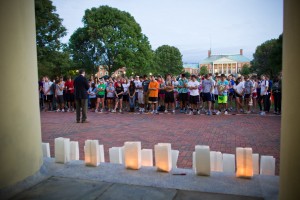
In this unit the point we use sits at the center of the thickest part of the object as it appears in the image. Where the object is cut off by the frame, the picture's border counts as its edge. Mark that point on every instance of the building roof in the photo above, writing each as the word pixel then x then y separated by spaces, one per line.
pixel 191 65
pixel 236 58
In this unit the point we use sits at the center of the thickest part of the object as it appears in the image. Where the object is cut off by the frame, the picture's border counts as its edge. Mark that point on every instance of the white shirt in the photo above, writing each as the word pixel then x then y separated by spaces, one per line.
pixel 194 92
pixel 138 84
pixel 239 88
pixel 263 87
pixel 46 87
pixel 125 86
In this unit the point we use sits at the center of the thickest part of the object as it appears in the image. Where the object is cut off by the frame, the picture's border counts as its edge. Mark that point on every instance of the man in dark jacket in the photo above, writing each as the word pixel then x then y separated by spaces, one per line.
pixel 81 86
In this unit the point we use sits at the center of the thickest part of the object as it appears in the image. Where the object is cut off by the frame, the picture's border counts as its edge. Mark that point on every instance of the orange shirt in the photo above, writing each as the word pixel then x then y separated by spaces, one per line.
pixel 153 93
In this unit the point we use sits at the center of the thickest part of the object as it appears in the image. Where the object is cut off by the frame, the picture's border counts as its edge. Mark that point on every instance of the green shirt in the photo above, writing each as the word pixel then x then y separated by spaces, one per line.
pixel 103 87
pixel 181 82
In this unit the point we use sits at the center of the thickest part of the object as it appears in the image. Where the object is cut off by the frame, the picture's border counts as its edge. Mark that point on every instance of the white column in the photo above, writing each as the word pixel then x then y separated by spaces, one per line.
pixel 222 69
pixel 20 125
pixel 213 68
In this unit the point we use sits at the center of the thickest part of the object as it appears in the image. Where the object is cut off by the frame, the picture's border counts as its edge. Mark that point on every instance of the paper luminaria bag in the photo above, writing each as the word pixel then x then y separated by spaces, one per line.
pixel 132 155
pixel 202 160
pixel 147 157
pixel 216 161
pixel 244 162
pixel 101 153
pixel 46 149
pixel 255 157
pixel 91 153
pixel 115 155
pixel 267 165
pixel 228 163
pixel 74 150
pixel 62 150
pixel 163 157
pixel 175 154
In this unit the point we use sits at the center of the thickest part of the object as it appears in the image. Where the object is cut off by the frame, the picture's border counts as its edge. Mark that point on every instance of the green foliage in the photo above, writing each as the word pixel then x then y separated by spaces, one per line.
pixel 53 58
pixel 267 58
pixel 245 70
pixel 187 75
pixel 112 38
pixel 203 70
pixel 168 59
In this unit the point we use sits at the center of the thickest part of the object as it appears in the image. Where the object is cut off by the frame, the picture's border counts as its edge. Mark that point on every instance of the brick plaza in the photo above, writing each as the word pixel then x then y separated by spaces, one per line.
pixel 221 133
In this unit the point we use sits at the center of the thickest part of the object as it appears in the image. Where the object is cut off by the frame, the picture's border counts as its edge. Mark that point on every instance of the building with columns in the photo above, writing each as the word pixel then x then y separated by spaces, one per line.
pixel 192 68
pixel 103 72
pixel 225 64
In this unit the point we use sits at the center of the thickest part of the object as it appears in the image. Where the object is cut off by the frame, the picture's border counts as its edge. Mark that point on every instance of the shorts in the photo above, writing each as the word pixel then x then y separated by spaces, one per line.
pixel 93 102
pixel 153 99
pixel 183 97
pixel 169 97
pixel 141 98
pixel 70 97
pixel 109 98
pixel 161 96
pixel 194 99
pixel 60 99
pixel 100 96
pixel 254 95
pixel 48 98
pixel 125 97
pixel 238 95
pixel 222 99
pixel 206 96
pixel 120 96
pixel 247 96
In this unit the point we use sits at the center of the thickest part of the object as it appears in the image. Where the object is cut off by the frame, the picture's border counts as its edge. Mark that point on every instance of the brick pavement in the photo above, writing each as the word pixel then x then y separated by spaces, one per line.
pixel 221 133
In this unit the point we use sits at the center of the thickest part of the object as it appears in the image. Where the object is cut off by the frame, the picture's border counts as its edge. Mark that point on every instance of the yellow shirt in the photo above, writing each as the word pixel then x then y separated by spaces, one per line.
pixel 153 93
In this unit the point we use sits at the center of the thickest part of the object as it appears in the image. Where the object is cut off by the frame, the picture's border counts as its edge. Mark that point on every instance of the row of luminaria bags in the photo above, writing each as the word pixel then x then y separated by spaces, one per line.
pixel 245 164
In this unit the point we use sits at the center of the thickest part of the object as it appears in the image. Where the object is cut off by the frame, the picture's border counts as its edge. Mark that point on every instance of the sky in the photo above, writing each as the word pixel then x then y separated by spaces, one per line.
pixel 193 26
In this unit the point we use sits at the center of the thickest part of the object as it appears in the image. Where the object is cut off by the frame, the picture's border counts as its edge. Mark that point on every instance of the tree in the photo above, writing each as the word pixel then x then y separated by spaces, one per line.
pixel 203 70
pixel 52 57
pixel 112 38
pixel 245 70
pixel 267 58
pixel 168 59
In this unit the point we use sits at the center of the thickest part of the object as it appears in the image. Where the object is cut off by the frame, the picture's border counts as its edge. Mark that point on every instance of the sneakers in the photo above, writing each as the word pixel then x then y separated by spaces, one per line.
pixel 208 113
pixel 199 112
pixel 113 111
pixel 63 110
pixel 166 111
pixel 96 111
pixel 218 113
pixel 225 113
pixel 57 110
pixel 247 112
pixel 68 110
pixel 181 111
pixel 191 112
pixel 173 111
pixel 120 110
pixel 262 113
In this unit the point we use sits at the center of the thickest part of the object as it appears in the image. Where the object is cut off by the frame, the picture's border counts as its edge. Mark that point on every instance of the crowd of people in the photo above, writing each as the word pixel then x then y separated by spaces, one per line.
pixel 208 94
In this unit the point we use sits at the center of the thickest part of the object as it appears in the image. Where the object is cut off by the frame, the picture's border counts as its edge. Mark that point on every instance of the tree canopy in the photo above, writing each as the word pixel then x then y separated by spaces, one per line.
pixel 111 38
pixel 53 58
pixel 203 70
pixel 168 59
pixel 245 70
pixel 267 58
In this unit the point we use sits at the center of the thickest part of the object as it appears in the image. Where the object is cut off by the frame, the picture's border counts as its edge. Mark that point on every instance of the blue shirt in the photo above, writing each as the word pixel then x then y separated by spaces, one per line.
pixel 223 84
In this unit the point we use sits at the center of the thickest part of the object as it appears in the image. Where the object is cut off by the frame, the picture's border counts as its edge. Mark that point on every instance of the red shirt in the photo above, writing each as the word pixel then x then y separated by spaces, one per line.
pixel 70 86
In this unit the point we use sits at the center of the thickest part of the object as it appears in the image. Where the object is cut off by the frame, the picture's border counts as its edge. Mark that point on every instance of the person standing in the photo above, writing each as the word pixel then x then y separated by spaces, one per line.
pixel 81 87
pixel 276 91
pixel 264 86
pixel 48 94
pixel 183 93
pixel 194 94
pixel 248 88
pixel 208 89
pixel 131 95
pixel 59 95
pixel 69 85
pixel 169 94
pixel 153 94
pixel 145 85
pixel 100 96
pixel 223 86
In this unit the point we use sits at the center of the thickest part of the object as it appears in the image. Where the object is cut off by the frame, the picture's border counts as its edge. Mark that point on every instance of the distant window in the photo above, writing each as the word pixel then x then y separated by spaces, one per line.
pixel 101 73
pixel 106 73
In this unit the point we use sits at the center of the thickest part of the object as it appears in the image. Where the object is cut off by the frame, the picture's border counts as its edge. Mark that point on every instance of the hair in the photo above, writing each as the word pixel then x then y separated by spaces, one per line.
pixel 56 81
pixel 182 75
pixel 132 85
pixel 206 76
pixel 223 75
pixel 93 85
pixel 238 80
pixel 246 77
pixel 81 71
pixel 193 76
pixel 145 76
pixel 210 74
